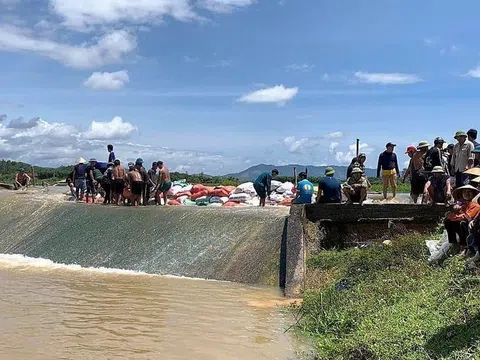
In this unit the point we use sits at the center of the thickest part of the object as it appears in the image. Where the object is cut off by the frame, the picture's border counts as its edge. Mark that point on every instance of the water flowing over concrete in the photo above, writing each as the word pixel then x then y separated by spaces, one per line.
pixel 241 245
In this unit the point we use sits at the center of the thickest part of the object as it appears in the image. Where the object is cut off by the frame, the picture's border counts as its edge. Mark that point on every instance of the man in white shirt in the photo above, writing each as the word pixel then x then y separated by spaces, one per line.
pixel 462 157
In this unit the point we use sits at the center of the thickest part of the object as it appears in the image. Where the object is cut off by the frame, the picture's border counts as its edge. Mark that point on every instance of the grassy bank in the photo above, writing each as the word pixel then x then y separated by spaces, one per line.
pixel 389 303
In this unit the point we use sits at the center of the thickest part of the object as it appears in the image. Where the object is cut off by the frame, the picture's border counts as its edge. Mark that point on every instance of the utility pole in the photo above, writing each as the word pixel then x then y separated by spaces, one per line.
pixel 33 175
pixel 358 147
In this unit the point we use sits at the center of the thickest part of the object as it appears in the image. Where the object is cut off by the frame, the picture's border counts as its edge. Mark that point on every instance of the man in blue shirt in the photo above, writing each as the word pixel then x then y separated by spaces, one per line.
pixel 304 190
pixel 263 185
pixel 388 164
pixel 329 188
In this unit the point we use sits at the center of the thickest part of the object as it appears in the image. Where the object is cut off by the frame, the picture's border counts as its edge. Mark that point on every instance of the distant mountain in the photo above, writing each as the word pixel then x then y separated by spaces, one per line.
pixel 251 173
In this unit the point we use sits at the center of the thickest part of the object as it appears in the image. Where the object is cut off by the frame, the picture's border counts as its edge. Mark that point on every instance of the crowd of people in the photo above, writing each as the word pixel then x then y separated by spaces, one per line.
pixel 118 185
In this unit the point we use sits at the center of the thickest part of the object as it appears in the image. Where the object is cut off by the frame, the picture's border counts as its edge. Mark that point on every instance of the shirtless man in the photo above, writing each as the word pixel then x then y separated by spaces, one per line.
pixel 164 184
pixel 21 180
pixel 136 185
pixel 118 178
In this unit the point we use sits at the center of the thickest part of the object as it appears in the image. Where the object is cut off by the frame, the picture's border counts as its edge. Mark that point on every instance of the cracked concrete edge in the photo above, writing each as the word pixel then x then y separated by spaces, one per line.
pixel 295 252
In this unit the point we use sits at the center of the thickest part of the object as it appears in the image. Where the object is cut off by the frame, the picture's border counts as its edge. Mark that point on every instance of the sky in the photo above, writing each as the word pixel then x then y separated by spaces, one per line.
pixel 217 86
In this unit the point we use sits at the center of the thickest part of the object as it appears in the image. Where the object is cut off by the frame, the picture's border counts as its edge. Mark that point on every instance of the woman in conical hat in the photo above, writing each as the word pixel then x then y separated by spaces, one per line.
pixel 456 222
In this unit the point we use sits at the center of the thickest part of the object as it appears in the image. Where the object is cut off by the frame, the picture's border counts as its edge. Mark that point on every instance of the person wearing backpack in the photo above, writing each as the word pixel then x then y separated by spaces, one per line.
pixel 433 157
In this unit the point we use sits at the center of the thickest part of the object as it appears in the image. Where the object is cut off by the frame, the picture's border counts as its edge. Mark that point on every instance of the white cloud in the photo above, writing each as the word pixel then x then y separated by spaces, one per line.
pixel 474 73
pixel 430 42
pixel 334 135
pixel 346 156
pixel 225 6
pixel 114 129
pixel 87 13
pixel 305 144
pixel 325 77
pixel 108 49
pixel 3 117
pixel 300 67
pixel 190 59
pixel 278 94
pixel 333 145
pixel 387 78
pixel 20 123
pixel 220 64
pixel 107 81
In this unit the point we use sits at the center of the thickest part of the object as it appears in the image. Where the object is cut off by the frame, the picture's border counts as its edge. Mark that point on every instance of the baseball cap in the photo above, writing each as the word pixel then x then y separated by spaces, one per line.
pixel 390 144
pixel 410 149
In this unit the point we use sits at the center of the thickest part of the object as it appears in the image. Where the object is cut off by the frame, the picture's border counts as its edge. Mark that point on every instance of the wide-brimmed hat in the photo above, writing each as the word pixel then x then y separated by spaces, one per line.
pixel 357 170
pixel 410 149
pixel 476 180
pixel 21 170
pixel 329 171
pixel 139 161
pixel 464 187
pixel 438 169
pixel 93 160
pixel 81 160
pixel 460 134
pixel 439 140
pixel 423 144
pixel 473 171
pixel 362 155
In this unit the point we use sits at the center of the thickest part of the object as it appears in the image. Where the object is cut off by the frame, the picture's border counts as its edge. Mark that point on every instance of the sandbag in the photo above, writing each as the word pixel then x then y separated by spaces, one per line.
pixel 224 199
pixel 231 204
pixel 199 194
pixel 286 202
pixel 275 185
pixel 188 202
pixel 245 188
pixel 228 188
pixel 219 193
pixel 187 187
pixel 182 183
pixel 176 189
pixel 287 186
pixel 277 197
pixel 197 188
pixel 215 199
pixel 242 197
pixel 174 203
pixel 182 194
pixel 181 199
pixel 203 201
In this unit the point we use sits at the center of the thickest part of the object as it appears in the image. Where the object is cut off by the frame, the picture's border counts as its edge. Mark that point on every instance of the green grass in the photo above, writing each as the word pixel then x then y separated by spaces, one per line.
pixel 394 305
pixel 401 188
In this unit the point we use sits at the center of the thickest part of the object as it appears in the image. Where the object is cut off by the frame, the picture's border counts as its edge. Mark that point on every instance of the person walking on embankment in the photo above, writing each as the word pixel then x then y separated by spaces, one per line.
pixel 388 166
pixel 263 185
pixel 79 177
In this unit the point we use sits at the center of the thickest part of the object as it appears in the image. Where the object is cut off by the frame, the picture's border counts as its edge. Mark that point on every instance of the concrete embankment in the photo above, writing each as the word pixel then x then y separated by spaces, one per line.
pixel 241 244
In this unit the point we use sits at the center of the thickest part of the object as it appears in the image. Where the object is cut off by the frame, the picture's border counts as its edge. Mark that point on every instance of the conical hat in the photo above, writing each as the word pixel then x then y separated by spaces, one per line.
pixel 464 187
pixel 81 160
pixel 473 171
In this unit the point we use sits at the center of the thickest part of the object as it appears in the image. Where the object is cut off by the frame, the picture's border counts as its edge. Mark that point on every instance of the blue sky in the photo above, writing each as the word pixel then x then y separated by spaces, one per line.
pixel 220 85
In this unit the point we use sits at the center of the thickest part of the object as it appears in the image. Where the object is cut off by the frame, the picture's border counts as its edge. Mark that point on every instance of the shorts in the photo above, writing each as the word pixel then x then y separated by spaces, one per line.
pixel 118 186
pixel 418 182
pixel 356 196
pixel 164 187
pixel 389 172
pixel 80 185
pixel 260 190
pixel 137 188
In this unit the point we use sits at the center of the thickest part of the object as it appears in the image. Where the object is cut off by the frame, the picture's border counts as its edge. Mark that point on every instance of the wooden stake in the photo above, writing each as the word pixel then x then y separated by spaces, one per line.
pixel 33 175
pixel 295 174
pixel 358 147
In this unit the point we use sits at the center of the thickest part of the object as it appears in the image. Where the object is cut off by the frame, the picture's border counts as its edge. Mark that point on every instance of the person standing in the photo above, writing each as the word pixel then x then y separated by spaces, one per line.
pixel 106 183
pixel 263 185
pixel 118 180
pixel 418 171
pixel 462 157
pixel 145 180
pixel 153 181
pixel 164 184
pixel 388 164
pixel 137 185
pixel 304 190
pixel 91 187
pixel 472 137
pixel 79 177
pixel 329 188
pixel 111 154
pixel 433 157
